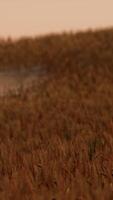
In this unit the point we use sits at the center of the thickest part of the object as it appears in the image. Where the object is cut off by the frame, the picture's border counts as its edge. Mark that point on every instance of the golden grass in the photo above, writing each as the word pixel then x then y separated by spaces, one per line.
pixel 56 138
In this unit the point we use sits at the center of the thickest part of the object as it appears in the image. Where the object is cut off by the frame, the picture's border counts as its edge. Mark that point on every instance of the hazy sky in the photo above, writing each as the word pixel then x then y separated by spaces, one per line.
pixel 32 17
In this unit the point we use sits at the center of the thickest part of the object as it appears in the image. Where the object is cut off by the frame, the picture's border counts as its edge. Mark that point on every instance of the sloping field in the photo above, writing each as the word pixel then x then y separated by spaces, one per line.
pixel 56 137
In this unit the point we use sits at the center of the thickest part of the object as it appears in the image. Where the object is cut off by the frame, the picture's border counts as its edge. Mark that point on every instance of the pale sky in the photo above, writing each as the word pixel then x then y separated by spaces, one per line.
pixel 33 17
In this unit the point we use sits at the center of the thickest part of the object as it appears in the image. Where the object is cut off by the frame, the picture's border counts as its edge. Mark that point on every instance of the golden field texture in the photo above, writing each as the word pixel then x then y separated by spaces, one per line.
pixel 56 137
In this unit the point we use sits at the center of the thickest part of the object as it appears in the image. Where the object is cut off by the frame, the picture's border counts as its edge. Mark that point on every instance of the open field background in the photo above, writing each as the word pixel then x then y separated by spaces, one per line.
pixel 56 137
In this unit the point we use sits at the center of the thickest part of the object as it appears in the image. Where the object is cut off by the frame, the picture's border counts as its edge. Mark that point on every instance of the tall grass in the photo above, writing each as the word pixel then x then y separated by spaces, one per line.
pixel 56 138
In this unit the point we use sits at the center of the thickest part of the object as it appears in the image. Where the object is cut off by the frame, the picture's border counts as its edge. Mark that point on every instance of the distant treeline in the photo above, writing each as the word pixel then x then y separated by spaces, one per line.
pixel 58 51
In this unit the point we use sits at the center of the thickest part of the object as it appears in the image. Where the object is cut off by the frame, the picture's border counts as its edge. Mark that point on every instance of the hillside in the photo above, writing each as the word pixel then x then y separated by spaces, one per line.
pixel 82 48
pixel 56 137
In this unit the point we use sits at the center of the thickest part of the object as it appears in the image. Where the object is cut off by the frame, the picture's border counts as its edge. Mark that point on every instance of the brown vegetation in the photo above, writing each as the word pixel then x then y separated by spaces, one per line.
pixel 56 138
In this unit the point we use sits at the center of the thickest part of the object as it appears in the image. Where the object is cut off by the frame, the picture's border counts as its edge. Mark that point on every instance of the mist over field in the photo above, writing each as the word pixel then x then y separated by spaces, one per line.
pixel 34 17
